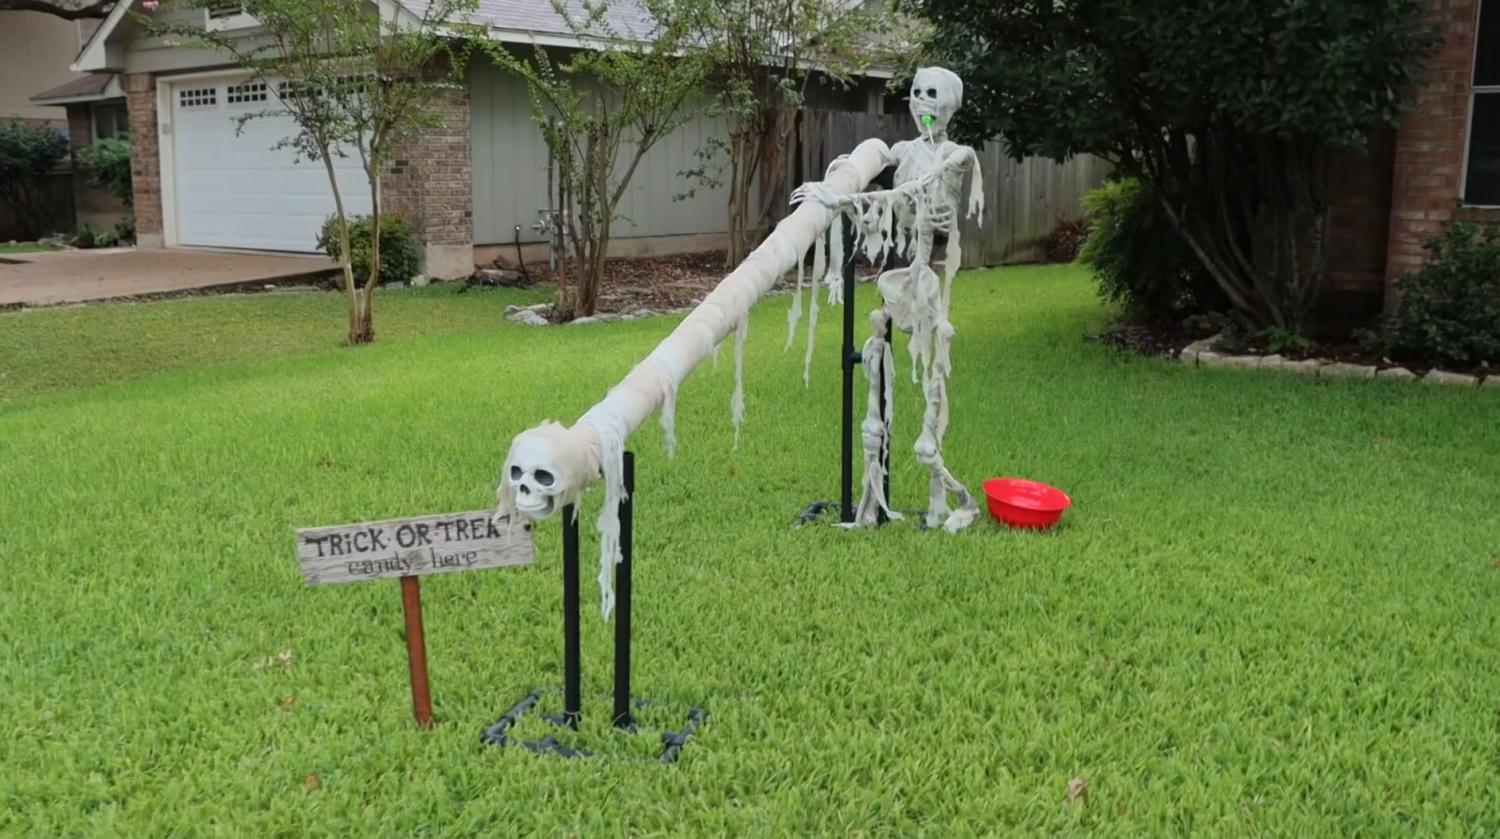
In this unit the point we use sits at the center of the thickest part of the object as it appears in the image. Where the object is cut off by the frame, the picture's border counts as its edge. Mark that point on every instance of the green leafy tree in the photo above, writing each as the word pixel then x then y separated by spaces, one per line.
pixel 29 153
pixel 355 81
pixel 1231 112
pixel 760 56
pixel 601 109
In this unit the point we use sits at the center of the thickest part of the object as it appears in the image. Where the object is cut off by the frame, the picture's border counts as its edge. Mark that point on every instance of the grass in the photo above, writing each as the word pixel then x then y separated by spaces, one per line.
pixel 1273 608
pixel 26 247
pixel 123 341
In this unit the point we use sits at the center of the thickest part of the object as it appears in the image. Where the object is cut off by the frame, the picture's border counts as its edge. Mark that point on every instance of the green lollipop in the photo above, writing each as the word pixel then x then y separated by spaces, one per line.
pixel 928 120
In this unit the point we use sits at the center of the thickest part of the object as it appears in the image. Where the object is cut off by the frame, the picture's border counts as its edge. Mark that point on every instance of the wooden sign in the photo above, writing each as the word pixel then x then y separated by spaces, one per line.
pixel 407 549
pixel 414 547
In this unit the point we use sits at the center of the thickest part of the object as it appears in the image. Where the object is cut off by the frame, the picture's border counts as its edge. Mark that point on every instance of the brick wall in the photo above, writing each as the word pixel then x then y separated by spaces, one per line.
pixel 430 184
pixel 145 160
pixel 1428 177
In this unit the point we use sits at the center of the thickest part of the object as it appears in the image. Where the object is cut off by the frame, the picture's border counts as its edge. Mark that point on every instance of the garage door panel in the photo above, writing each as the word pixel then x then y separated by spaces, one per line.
pixel 234 188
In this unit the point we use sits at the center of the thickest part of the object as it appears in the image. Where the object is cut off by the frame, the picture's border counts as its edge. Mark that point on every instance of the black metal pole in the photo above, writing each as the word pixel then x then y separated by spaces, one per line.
pixel 851 361
pixel 623 599
pixel 572 672
pixel 885 454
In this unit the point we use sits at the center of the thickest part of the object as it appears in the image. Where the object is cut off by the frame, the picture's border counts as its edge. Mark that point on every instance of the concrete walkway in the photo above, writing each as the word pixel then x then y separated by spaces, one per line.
pixel 41 279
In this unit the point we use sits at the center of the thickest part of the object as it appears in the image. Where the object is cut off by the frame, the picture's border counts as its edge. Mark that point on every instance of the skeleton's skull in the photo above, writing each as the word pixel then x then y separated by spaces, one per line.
pixel 936 94
pixel 543 472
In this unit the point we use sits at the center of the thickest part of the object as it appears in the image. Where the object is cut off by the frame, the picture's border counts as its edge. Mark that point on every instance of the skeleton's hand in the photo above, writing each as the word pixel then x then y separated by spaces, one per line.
pixel 819 192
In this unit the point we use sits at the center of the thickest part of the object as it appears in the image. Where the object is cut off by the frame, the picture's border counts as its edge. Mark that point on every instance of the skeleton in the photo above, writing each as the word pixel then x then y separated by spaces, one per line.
pixel 908 218
pixel 548 467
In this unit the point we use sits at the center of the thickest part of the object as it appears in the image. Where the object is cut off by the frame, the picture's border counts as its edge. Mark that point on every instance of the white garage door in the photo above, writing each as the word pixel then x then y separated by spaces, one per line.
pixel 232 188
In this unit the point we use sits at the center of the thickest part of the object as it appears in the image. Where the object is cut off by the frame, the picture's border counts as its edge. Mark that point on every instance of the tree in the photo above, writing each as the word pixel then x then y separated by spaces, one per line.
pixel 1232 112
pixel 354 84
pixel 760 55
pixel 65 9
pixel 601 109
pixel 29 153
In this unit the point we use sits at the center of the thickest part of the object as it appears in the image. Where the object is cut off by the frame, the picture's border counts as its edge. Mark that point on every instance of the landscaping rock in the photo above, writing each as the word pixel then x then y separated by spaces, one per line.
pixel 1209 358
pixel 1241 362
pixel 1491 382
pixel 1272 362
pixel 497 276
pixel 1443 377
pixel 585 320
pixel 1395 374
pixel 1306 367
pixel 1340 370
pixel 420 280
pixel 528 317
pixel 1189 356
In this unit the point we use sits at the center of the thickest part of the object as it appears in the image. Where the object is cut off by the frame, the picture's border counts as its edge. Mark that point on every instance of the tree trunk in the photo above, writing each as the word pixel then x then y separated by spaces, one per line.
pixel 362 330
pixel 350 291
pixel 362 326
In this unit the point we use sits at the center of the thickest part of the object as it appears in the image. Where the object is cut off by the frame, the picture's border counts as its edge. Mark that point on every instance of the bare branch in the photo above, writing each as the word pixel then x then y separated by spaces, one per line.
pixel 65 10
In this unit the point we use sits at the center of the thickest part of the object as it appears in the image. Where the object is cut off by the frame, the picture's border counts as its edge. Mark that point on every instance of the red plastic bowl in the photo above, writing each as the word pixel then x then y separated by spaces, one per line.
pixel 1027 504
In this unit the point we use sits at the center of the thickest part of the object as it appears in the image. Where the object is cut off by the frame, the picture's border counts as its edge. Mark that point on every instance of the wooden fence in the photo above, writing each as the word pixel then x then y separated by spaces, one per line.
pixel 1024 200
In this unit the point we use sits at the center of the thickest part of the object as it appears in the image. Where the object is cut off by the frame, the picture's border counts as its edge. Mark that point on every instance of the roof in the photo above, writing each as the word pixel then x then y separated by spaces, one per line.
pixel 516 21
pixel 94 87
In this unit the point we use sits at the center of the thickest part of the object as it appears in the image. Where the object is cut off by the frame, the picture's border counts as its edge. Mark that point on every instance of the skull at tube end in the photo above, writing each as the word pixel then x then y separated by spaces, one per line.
pixel 542 473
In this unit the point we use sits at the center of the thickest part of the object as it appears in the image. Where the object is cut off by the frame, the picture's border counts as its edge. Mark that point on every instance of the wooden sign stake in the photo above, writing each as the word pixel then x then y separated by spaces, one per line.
pixel 416 651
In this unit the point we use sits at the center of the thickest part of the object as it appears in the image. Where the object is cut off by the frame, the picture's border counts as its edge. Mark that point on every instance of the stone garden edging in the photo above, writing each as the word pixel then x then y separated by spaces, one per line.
pixel 1199 354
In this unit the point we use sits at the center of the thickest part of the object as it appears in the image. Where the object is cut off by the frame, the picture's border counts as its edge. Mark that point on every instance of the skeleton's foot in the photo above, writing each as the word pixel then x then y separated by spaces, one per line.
pixel 964 510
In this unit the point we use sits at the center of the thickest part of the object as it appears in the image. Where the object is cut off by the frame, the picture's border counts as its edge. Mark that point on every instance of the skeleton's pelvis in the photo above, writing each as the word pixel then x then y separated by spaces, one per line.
pixel 903 290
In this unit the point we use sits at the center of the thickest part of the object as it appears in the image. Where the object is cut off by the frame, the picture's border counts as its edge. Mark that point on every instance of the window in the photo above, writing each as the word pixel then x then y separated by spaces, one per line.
pixel 226 14
pixel 224 8
pixel 198 97
pixel 1482 179
pixel 239 94
pixel 111 121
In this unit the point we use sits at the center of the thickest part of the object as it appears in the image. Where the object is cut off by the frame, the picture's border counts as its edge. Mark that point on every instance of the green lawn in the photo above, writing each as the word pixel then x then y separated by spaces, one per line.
pixel 1274 608
pixel 120 341
pixel 25 247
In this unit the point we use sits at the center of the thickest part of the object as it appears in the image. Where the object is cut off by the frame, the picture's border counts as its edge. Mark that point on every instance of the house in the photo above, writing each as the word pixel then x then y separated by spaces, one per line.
pixel 472 189
pixel 1446 156
pixel 1441 162
pixel 35 51
pixel 37 84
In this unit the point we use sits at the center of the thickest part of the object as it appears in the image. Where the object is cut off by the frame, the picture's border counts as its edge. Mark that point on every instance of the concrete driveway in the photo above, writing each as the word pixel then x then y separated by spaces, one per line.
pixel 40 279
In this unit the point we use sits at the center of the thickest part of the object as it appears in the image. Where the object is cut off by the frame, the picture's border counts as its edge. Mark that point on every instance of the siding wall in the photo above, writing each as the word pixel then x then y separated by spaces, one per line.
pixel 510 170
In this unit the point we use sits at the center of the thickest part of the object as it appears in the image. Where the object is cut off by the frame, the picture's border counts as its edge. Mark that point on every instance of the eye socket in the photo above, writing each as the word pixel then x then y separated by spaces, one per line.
pixel 544 477
pixel 917 93
pixel 931 93
pixel 516 473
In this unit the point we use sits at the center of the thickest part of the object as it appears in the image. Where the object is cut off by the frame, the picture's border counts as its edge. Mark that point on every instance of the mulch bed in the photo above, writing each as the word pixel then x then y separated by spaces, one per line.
pixel 659 283
pixel 1167 338
pixel 1155 338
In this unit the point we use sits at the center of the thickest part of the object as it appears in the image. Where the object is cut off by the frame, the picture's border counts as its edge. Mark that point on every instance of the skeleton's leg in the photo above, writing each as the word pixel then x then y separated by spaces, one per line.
pixel 929 446
pixel 875 431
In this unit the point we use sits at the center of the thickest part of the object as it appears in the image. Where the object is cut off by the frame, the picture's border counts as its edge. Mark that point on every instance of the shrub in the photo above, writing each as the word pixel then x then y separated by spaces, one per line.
pixel 1139 258
pixel 1449 311
pixel 125 228
pixel 400 255
pixel 29 154
pixel 1067 239
pixel 108 162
